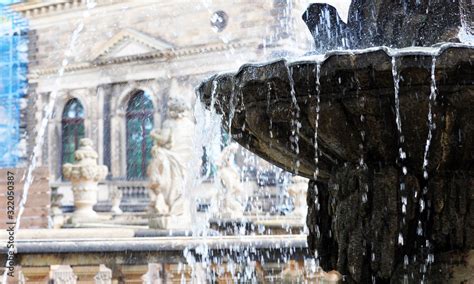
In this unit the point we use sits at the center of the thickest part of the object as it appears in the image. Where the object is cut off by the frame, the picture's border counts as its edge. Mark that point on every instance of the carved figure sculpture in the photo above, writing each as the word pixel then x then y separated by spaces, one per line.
pixel 166 175
pixel 297 191
pixel 230 194
pixel 168 167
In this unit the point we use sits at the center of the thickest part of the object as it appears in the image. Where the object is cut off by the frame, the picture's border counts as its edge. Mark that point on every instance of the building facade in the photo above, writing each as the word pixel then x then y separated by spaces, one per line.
pixel 108 69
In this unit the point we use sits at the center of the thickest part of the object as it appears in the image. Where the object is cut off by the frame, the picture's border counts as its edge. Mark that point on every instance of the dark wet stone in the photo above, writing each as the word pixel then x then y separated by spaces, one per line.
pixel 355 211
pixel 384 23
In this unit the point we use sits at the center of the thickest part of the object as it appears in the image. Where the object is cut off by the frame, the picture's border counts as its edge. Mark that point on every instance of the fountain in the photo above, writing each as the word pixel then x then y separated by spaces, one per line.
pixel 385 136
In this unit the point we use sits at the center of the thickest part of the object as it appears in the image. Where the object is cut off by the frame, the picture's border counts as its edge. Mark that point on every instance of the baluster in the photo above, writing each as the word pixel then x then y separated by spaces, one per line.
pixel 154 274
pixel 36 274
pixel 62 274
pixel 133 273
pixel 104 276
pixel 85 274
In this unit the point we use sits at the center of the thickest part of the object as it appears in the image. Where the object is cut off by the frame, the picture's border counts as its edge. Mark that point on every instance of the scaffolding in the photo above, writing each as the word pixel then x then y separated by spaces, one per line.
pixel 13 81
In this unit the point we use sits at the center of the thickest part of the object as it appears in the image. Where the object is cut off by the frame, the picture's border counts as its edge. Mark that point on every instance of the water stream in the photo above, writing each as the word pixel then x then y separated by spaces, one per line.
pixel 431 124
pixel 43 125
pixel 401 139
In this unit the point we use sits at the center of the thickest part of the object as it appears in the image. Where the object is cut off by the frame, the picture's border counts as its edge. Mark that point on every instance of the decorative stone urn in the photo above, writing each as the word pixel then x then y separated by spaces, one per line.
pixel 84 175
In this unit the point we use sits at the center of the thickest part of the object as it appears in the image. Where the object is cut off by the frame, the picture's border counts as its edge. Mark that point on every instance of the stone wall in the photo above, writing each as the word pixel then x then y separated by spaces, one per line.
pixel 128 45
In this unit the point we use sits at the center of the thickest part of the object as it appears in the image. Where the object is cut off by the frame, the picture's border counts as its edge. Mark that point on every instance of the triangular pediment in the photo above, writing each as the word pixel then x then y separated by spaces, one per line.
pixel 128 43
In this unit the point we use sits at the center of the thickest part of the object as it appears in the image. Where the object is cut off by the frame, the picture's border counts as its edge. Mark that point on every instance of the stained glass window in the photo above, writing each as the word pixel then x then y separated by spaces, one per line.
pixel 72 129
pixel 139 125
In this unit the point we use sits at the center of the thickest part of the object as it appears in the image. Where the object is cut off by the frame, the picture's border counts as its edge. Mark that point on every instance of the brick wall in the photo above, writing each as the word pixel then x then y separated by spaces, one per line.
pixel 39 198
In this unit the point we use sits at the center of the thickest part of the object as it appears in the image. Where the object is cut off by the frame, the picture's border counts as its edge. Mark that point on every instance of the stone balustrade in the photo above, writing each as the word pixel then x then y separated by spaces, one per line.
pixel 151 260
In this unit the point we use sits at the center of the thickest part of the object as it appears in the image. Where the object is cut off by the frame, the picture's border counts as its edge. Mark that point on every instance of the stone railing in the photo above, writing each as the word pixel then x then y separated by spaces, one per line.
pixel 135 196
pixel 160 260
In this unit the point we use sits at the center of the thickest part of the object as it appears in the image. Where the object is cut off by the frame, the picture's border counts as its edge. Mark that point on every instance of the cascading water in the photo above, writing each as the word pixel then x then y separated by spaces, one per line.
pixel 295 122
pixel 408 227
pixel 269 99
pixel 431 125
pixel 316 121
pixel 426 245
pixel 352 165
pixel 316 148
pixel 401 139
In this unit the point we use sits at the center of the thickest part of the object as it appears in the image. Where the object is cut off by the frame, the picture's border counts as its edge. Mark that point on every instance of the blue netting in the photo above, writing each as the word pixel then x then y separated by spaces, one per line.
pixel 6 2
pixel 13 81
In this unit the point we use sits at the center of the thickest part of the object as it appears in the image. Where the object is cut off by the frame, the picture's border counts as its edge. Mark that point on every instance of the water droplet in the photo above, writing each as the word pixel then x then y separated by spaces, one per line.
pixel 400 239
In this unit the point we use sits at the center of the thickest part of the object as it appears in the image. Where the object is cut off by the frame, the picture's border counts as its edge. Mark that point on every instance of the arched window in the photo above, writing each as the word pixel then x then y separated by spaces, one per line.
pixel 72 125
pixel 139 124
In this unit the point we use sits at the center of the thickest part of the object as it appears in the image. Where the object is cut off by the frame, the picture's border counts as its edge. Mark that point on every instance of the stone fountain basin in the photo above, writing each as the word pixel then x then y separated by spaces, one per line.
pixel 357 116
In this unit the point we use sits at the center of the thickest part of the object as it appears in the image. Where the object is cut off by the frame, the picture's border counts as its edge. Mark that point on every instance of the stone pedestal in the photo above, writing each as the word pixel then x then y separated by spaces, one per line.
pixel 84 175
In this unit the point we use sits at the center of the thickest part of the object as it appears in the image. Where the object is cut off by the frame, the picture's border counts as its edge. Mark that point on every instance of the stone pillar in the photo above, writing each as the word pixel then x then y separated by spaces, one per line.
pixel 115 197
pixel 36 274
pixel 84 176
pixel 104 276
pixel 154 274
pixel 62 274
pixel 85 273
pixel 132 273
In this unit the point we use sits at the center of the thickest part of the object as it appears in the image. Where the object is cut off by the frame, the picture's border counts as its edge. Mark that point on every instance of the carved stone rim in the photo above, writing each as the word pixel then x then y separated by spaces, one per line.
pixel 436 50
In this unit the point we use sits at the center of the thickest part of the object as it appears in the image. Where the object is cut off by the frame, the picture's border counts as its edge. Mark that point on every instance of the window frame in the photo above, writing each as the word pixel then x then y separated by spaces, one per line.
pixel 75 123
pixel 146 112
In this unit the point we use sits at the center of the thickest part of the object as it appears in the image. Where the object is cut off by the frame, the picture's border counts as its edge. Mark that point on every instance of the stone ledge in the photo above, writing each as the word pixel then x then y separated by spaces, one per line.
pixel 60 234
pixel 107 244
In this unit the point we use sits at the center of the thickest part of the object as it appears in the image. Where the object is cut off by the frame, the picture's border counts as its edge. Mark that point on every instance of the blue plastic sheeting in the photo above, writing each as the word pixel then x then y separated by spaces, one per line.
pixel 13 81
pixel 6 2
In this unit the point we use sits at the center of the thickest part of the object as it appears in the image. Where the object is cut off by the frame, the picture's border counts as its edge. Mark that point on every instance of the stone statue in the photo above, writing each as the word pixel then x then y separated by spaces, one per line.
pixel 229 197
pixel 167 182
pixel 169 166
pixel 166 175
pixel 84 175
pixel 181 124
pixel 297 191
